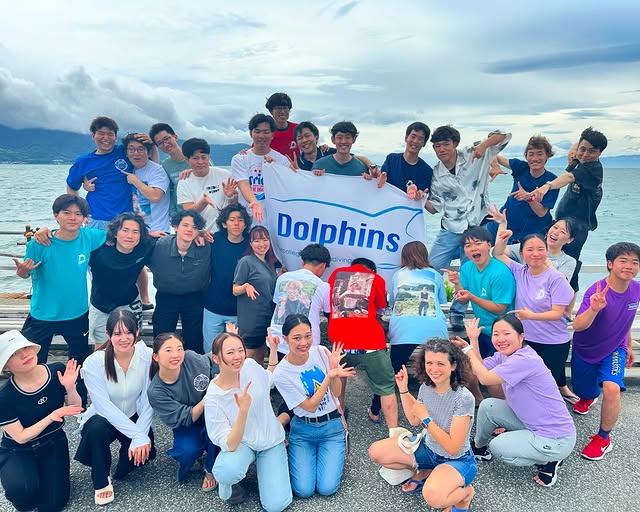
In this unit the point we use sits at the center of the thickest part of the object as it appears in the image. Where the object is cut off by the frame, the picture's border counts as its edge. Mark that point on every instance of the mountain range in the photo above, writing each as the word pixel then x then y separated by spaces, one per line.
pixel 40 146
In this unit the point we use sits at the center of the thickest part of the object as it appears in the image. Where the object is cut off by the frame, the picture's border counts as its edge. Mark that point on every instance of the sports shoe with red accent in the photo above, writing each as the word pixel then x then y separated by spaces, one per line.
pixel 582 406
pixel 597 448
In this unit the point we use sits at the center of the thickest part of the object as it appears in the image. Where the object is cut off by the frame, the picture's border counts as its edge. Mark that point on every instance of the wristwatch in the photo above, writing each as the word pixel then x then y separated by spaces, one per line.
pixel 550 183
pixel 466 349
pixel 426 421
pixel 409 183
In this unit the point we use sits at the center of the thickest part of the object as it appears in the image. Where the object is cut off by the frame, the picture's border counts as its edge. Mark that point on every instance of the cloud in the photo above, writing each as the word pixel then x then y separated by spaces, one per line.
pixel 346 9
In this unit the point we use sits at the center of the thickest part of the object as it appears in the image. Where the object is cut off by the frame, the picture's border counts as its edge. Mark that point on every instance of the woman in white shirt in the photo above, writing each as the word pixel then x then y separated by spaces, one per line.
pixel 117 378
pixel 240 420
pixel 308 378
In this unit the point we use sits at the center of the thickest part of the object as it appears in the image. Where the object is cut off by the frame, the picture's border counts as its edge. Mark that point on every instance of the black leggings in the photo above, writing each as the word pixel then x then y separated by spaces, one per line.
pixel 400 354
pixel 35 475
pixel 555 358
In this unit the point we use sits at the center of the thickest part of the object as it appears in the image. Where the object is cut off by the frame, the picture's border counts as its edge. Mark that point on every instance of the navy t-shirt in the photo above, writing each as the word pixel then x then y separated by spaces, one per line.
pixel 305 165
pixel 521 218
pixel 224 258
pixel 399 172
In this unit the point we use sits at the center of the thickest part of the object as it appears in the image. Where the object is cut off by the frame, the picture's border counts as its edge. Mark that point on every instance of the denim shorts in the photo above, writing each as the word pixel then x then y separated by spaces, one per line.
pixel 464 465
pixel 587 378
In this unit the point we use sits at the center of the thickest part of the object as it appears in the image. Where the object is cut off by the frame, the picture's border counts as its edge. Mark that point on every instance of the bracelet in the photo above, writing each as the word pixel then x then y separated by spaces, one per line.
pixel 466 349
pixel 404 392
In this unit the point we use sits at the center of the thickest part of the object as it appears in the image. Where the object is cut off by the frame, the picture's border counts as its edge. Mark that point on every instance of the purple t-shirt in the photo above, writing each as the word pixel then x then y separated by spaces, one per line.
pixel 539 293
pixel 610 329
pixel 532 393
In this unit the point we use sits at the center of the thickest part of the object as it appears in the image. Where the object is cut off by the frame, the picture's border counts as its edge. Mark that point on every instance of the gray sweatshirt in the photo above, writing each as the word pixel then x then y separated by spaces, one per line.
pixel 173 402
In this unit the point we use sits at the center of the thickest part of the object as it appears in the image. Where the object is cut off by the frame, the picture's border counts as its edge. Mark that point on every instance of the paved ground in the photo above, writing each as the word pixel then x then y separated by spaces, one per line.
pixel 609 485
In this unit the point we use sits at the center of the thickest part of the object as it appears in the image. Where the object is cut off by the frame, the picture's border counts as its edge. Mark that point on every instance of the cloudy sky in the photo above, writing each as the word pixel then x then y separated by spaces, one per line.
pixel 206 67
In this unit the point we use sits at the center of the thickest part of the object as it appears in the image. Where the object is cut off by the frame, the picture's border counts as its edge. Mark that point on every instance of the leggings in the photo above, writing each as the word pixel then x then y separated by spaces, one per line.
pixel 35 475
pixel 555 358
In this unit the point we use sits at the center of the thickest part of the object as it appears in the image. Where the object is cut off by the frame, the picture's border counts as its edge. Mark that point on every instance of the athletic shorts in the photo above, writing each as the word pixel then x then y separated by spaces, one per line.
pixel 465 465
pixel 587 378
pixel 377 366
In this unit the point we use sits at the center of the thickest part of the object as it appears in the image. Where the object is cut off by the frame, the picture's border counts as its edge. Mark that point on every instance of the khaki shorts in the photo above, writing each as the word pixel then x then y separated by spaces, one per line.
pixel 377 366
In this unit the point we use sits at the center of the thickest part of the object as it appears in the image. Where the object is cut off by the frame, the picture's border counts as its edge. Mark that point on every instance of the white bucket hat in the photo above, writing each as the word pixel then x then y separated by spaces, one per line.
pixel 10 343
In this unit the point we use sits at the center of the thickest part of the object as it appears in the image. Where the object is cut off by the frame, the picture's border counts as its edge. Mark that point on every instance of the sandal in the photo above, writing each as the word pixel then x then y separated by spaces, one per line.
pixel 571 399
pixel 547 473
pixel 419 484
pixel 209 483
pixel 104 500
pixel 373 417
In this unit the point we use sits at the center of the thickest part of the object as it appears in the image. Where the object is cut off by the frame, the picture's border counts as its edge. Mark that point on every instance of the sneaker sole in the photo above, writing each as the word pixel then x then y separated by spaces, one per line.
pixel 483 457
pixel 607 450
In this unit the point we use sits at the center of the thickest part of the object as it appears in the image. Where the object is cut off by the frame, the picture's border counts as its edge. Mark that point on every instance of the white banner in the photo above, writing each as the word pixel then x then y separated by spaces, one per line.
pixel 350 216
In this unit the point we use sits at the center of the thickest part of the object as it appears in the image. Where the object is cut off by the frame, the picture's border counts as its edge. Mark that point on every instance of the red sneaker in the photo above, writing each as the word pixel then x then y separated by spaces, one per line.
pixel 597 448
pixel 582 406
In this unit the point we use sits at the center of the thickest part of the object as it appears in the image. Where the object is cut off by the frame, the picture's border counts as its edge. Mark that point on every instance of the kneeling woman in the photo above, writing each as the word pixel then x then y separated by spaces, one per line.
pixel 179 381
pixel 540 430
pixel 240 420
pixel 443 462
pixel 117 378
pixel 34 452
pixel 309 381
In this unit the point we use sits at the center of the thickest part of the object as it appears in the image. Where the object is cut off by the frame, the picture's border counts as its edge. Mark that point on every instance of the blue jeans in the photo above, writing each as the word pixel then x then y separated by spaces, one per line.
pixel 98 224
pixel 188 445
pixel 212 325
pixel 445 248
pixel 273 474
pixel 316 456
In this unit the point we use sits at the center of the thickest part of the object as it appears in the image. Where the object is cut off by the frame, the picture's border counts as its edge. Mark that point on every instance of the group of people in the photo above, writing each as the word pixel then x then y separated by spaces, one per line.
pixel 217 273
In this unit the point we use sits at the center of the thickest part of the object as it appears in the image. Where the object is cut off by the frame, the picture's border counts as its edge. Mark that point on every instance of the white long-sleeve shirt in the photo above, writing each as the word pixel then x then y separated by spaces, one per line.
pixel 262 430
pixel 118 401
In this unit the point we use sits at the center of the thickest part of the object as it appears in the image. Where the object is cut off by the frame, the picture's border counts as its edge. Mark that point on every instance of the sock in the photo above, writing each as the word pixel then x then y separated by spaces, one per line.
pixel 454 509
pixel 604 434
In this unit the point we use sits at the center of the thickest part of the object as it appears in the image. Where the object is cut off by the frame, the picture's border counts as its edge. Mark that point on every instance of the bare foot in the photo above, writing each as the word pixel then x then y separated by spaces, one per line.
pixel 420 475
pixel 209 483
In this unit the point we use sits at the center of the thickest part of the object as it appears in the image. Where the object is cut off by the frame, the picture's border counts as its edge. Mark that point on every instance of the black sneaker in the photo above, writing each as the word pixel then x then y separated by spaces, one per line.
pixel 456 322
pixel 548 473
pixel 238 495
pixel 481 453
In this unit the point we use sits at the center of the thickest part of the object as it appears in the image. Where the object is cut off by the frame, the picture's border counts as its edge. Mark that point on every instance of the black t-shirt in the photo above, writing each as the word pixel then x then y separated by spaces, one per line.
pixel 115 273
pixel 583 196
pixel 30 408
pixel 399 172
pixel 224 258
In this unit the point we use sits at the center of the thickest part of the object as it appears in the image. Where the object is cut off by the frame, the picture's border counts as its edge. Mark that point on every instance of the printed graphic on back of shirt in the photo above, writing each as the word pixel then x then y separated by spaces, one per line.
pixel 414 296
pixel 351 294
pixel 295 299
pixel 311 380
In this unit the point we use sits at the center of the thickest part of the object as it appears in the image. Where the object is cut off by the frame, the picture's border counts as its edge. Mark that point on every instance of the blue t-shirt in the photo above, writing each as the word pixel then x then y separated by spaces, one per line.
pixel 521 218
pixel 416 297
pixel 330 165
pixel 399 172
pixel 60 282
pixel 494 283
pixel 113 194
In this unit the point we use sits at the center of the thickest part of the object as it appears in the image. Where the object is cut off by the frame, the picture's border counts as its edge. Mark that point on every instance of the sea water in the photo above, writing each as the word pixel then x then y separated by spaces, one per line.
pixel 28 192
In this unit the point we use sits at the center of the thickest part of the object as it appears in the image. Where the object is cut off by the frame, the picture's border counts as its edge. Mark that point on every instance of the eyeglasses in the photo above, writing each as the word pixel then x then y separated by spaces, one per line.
pixel 164 140
pixel 138 149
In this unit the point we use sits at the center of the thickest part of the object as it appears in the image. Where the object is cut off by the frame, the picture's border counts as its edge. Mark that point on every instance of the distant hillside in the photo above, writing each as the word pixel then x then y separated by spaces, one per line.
pixel 39 146
pixel 608 162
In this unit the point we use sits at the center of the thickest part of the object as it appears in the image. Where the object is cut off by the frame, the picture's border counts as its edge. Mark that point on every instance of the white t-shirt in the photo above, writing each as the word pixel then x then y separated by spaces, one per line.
pixel 248 167
pixel 299 291
pixel 297 383
pixel 156 215
pixel 262 430
pixel 194 187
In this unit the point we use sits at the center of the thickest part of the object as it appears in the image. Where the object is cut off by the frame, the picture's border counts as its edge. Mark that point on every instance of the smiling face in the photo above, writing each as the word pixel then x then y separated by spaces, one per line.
pixel 343 142
pixel 478 251
pixel 624 267
pixel 587 152
pixel 260 244
pixel 537 159
pixel 171 354
pixel 199 163
pixel 505 338
pixel 22 360
pixel 137 154
pixel 307 142
pixel 281 116
pixel 186 231
pixel 262 136
pixel 446 152
pixel 534 253
pixel 415 141
pixel 122 339
pixel 300 339
pixel 128 236
pixel 558 235
pixel 105 140
pixel 166 142
pixel 232 355
pixel 438 367
pixel 70 219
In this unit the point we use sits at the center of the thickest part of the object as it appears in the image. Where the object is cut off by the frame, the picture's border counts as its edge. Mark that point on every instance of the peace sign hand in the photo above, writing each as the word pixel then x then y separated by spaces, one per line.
pixel 598 300
pixel 243 400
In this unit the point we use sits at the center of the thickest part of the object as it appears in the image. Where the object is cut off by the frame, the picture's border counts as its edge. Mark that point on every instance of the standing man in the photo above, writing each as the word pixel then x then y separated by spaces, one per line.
pixel 60 302
pixel 407 171
pixel 583 196
pixel 165 138
pixel 207 190
pixel 459 190
pixel 246 168
pixel 284 142
pixel 602 342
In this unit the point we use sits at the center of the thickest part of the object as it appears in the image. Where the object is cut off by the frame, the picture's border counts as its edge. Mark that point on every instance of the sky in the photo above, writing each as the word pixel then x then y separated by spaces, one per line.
pixel 207 67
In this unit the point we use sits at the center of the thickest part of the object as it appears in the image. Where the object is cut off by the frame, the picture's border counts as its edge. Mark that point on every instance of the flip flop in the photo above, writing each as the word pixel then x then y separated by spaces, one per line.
pixel 210 478
pixel 418 483
pixel 104 500
pixel 571 399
